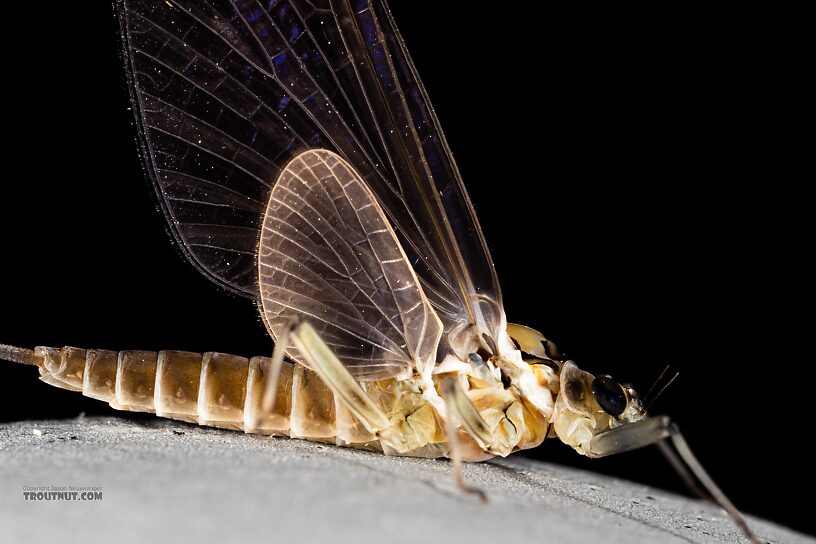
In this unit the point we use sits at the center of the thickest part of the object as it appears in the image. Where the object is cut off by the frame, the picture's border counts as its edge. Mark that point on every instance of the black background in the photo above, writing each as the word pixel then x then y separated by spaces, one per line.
pixel 633 173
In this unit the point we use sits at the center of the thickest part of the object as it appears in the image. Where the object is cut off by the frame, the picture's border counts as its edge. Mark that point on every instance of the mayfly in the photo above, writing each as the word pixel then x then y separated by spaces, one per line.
pixel 299 164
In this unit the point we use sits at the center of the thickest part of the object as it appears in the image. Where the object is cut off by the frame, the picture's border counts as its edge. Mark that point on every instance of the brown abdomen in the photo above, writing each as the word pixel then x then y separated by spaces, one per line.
pixel 214 389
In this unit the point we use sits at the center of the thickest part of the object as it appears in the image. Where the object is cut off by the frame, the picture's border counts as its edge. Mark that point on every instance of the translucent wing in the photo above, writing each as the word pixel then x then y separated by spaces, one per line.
pixel 228 92
pixel 328 254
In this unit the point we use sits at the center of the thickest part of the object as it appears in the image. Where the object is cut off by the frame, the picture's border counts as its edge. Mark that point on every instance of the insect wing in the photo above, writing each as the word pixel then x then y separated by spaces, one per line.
pixel 228 93
pixel 329 255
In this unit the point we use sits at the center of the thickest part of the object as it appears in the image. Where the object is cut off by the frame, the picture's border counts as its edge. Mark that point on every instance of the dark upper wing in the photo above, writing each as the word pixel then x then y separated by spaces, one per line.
pixel 228 92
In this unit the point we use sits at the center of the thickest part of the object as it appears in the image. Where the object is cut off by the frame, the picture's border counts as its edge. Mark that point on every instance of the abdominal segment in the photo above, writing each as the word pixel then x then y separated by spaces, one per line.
pixel 222 390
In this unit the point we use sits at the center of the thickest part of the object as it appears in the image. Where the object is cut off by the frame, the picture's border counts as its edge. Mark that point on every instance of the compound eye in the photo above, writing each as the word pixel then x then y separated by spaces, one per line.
pixel 610 395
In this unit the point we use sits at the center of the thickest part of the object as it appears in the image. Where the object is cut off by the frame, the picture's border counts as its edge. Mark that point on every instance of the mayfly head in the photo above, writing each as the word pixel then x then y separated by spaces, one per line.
pixel 587 406
pixel 599 416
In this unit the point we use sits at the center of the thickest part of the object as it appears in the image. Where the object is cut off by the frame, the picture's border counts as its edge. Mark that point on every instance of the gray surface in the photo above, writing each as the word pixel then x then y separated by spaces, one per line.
pixel 166 481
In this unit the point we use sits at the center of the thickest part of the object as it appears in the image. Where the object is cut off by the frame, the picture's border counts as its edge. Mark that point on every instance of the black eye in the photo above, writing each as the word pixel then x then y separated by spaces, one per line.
pixel 610 395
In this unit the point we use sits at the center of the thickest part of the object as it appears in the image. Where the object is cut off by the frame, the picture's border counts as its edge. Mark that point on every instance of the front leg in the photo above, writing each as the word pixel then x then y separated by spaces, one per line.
pixel 655 430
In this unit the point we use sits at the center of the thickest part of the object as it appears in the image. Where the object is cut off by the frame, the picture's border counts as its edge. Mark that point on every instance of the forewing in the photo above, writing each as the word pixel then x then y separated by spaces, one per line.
pixel 228 92
pixel 328 255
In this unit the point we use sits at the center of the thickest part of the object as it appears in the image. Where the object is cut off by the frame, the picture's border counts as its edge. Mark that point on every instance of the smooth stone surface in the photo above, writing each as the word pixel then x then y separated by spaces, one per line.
pixel 168 481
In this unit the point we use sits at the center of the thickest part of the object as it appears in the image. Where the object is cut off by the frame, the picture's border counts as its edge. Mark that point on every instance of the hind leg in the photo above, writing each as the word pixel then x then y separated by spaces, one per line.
pixel 321 358
pixel 273 374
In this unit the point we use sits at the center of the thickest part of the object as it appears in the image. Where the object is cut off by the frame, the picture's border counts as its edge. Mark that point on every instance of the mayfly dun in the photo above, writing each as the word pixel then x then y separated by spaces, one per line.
pixel 299 164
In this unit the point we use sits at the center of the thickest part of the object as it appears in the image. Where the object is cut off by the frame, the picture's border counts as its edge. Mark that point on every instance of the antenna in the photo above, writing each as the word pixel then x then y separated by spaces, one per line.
pixel 649 399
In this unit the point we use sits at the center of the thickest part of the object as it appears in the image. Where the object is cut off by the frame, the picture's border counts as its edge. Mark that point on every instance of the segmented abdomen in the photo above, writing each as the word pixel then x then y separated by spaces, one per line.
pixel 213 389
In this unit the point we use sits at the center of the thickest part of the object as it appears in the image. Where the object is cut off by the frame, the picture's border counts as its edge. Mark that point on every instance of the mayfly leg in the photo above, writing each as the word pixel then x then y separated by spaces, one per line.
pixel 460 410
pixel 315 351
pixel 273 375
pixel 683 453
pixel 656 430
